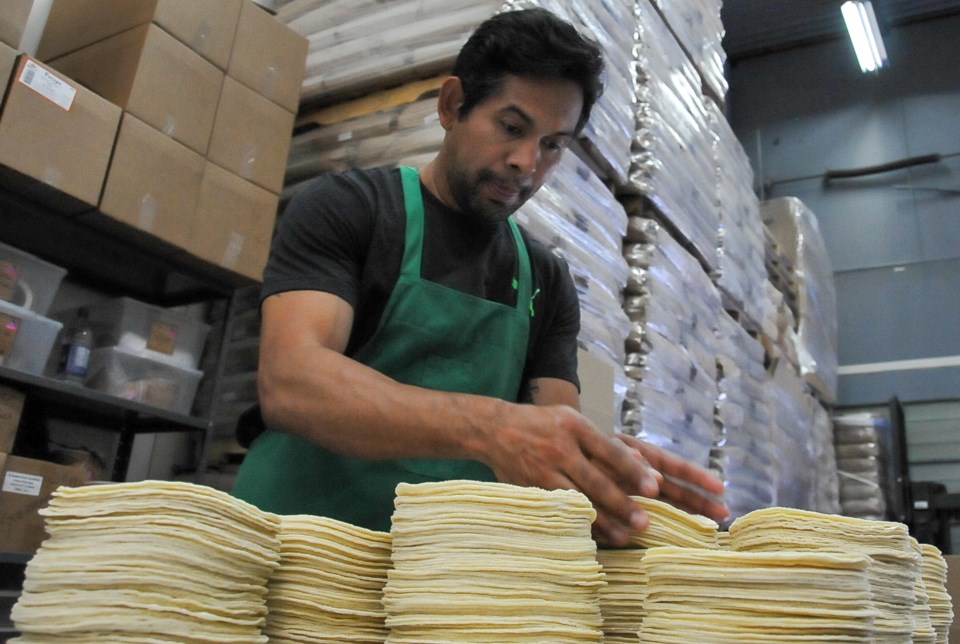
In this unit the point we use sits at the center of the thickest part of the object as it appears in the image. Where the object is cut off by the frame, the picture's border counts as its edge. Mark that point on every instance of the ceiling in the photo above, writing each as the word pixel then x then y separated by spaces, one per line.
pixel 755 27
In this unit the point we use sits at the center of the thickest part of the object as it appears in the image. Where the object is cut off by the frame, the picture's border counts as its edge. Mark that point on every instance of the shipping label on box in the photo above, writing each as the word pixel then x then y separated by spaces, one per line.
pixel 57 133
pixel 153 76
pixel 47 84
pixel 163 338
pixel 27 485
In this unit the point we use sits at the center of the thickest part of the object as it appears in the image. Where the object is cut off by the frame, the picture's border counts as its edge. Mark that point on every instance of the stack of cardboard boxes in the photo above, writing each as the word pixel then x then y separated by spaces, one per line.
pixel 166 122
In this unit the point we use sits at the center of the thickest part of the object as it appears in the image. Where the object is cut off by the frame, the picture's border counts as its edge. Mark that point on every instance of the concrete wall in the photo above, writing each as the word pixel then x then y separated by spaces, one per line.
pixel 893 238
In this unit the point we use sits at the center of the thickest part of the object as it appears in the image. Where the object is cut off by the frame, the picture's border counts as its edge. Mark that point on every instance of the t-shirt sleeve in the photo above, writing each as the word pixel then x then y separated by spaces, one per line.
pixel 554 350
pixel 321 239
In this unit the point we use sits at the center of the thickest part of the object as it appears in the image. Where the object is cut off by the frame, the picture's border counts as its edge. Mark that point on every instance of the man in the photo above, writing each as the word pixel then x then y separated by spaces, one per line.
pixel 411 332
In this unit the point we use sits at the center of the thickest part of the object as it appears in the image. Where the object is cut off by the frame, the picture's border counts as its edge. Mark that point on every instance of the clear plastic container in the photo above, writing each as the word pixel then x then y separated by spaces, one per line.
pixel 27 280
pixel 149 331
pixel 26 338
pixel 126 375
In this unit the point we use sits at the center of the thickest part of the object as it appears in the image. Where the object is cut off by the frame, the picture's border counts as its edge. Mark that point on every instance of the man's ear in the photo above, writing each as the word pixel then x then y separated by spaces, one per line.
pixel 449 102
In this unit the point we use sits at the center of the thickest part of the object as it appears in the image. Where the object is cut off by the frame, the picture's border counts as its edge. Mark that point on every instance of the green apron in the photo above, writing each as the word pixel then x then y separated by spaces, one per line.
pixel 430 336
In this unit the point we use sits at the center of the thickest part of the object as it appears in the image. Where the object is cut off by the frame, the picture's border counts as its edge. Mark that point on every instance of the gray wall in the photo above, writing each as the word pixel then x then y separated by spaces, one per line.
pixel 894 243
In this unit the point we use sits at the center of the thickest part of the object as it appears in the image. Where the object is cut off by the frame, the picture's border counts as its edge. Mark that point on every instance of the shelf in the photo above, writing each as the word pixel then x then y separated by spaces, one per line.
pixel 65 399
pixel 15 557
pixel 110 256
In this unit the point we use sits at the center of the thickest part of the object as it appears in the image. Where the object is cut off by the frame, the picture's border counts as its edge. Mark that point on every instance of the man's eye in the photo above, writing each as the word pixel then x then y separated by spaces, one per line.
pixel 555 146
pixel 511 129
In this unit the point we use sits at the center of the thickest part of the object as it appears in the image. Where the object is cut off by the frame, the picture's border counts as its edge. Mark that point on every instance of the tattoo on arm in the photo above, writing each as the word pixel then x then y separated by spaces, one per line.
pixel 529 391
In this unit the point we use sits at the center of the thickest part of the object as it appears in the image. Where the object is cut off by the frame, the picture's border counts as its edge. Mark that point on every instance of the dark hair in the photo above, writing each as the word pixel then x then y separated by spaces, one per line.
pixel 533 43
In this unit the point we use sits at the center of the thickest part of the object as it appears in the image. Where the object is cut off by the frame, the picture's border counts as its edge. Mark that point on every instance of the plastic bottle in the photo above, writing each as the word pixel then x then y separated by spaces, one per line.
pixel 75 351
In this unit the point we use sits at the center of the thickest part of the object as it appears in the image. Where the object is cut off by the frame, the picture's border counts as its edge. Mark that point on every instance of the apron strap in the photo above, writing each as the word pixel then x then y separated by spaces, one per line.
pixel 413 240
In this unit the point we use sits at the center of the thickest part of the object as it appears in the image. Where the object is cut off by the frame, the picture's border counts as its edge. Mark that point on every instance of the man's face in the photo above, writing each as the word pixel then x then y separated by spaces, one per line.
pixel 508 145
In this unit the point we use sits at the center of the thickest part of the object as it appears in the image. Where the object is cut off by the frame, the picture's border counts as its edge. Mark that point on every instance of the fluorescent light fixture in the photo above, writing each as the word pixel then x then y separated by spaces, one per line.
pixel 865 34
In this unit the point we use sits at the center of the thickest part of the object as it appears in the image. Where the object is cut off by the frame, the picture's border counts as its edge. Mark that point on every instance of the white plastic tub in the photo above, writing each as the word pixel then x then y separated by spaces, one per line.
pixel 126 375
pixel 28 281
pixel 26 338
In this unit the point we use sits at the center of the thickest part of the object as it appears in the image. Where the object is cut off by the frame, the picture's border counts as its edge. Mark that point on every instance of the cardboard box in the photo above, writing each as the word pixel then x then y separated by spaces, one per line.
pixel 26 488
pixel 251 136
pixel 152 184
pixel 153 76
pixel 74 24
pixel 234 222
pixel 8 60
pixel 11 408
pixel 598 401
pixel 268 57
pixel 57 133
pixel 206 26
pixel 13 22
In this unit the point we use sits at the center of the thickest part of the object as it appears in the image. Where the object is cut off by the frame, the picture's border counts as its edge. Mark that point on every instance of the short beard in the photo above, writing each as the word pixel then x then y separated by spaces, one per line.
pixel 466 193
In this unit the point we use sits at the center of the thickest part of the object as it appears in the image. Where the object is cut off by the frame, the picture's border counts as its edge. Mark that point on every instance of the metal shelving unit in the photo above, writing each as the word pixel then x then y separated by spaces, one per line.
pixel 105 257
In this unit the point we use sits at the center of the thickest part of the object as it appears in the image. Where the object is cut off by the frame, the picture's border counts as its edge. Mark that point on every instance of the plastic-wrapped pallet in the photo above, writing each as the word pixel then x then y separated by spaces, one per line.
pixel 826 484
pixel 576 216
pixel 608 134
pixel 358 46
pixel 743 455
pixel 741 273
pixel 697 25
pixel 672 151
pixel 797 233
pixel 801 440
pixel 861 461
pixel 395 135
pixel 671 348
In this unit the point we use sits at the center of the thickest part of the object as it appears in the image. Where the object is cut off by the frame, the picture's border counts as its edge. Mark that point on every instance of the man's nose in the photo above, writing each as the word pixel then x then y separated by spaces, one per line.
pixel 525 156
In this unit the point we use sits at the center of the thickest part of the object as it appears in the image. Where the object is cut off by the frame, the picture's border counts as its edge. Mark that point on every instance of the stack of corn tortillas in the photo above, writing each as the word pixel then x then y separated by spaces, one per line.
pixel 491 562
pixel 329 586
pixel 151 561
pixel 923 631
pixel 725 596
pixel 893 561
pixel 621 600
pixel 934 571
pixel 670 526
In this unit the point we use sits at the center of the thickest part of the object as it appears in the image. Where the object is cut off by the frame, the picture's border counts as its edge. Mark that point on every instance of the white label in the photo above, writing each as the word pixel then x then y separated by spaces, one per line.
pixel 921 505
pixel 47 85
pixel 20 483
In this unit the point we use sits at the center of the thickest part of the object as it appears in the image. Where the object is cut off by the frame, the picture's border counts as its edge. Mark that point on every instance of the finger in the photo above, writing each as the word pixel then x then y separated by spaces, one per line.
pixel 609 532
pixel 694 500
pixel 650 477
pixel 671 465
pixel 622 463
pixel 607 497
pixel 607 528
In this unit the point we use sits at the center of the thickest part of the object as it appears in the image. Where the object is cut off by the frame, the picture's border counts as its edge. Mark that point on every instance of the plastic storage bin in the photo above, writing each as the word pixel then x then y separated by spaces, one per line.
pixel 126 375
pixel 149 331
pixel 26 338
pixel 28 281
